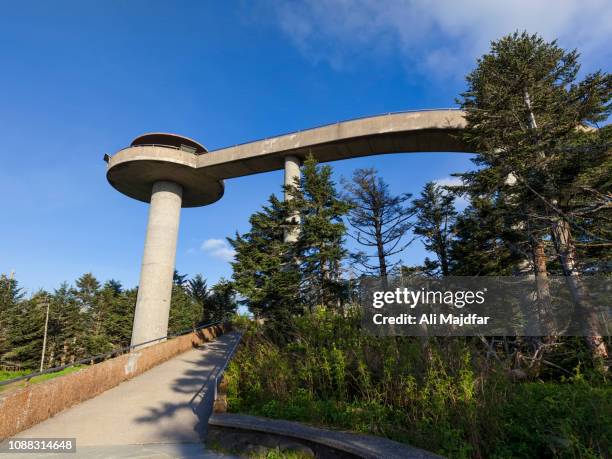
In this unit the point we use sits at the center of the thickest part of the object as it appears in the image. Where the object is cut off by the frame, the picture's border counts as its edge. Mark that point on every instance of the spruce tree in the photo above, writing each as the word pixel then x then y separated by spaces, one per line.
pixel 319 249
pixel 67 334
pixel 524 108
pixel 87 287
pixel 197 289
pixel 118 306
pixel 482 241
pixel 221 301
pixel 26 331
pixel 185 313
pixel 435 216
pixel 179 279
pixel 10 297
pixel 264 272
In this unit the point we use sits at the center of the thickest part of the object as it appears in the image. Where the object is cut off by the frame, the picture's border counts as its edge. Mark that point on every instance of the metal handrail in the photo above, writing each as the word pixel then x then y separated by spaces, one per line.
pixel 105 355
pixel 174 147
pixel 224 367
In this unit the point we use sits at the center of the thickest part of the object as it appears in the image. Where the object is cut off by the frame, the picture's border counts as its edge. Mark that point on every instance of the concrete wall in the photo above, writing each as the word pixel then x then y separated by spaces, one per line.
pixel 242 434
pixel 24 407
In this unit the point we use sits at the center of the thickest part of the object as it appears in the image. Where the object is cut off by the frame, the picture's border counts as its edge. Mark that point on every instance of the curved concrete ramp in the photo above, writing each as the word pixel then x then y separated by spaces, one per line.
pixel 134 169
pixel 404 132
pixel 162 413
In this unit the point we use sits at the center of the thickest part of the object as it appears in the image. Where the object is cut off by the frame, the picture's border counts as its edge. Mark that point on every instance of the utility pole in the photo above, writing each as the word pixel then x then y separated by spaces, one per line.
pixel 42 356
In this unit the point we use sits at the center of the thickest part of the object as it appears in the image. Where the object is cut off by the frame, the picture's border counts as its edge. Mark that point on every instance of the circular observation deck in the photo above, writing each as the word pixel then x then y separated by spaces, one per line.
pixel 158 156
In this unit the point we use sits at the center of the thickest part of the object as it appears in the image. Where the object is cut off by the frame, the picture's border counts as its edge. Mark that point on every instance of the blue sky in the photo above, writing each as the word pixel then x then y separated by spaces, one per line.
pixel 83 78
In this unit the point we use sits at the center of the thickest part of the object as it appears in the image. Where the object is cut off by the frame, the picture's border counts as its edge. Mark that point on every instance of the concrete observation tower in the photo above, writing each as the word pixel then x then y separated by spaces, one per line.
pixel 160 169
pixel 170 171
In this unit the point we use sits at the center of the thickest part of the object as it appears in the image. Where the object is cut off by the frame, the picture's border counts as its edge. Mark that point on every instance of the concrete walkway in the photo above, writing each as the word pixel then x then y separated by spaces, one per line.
pixel 162 413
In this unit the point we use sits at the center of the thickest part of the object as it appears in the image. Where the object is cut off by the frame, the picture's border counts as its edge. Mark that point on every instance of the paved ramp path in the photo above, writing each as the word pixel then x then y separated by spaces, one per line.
pixel 162 413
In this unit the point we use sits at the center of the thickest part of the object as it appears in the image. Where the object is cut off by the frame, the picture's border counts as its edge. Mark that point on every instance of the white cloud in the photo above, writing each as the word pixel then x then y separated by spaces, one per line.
pixel 448 181
pixel 218 248
pixel 462 201
pixel 439 38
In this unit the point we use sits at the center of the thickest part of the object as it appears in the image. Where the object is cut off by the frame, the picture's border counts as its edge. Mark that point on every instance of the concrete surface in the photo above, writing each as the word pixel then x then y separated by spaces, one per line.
pixel 151 451
pixel 133 170
pixel 292 177
pixel 229 428
pixel 161 413
pixel 156 275
pixel 168 139
pixel 24 407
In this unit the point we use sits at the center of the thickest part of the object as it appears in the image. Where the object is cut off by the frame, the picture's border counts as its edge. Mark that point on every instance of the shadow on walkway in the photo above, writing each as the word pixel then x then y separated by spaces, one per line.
pixel 198 380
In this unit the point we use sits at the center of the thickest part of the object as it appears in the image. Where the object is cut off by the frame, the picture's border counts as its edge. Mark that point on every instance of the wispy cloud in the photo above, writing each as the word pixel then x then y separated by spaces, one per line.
pixel 448 181
pixel 439 38
pixel 218 248
pixel 462 201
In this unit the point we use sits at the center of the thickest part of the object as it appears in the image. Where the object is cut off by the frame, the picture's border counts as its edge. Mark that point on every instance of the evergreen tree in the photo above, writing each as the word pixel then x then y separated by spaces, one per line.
pixel 319 249
pixel 221 302
pixel 114 285
pixel 122 310
pixel 94 305
pixel 83 321
pixel 87 288
pixel 118 306
pixel 435 216
pixel 482 242
pixel 26 329
pixel 586 188
pixel 524 108
pixel 197 289
pixel 10 297
pixel 179 279
pixel 66 336
pixel 380 220
pixel 185 313
pixel 263 270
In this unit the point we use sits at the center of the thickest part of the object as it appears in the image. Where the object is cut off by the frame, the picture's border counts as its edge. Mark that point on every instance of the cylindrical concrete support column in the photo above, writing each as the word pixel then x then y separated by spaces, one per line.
pixel 292 173
pixel 156 275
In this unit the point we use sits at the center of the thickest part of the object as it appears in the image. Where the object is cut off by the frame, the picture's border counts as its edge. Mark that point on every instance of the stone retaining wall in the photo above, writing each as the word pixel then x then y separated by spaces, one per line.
pixel 27 406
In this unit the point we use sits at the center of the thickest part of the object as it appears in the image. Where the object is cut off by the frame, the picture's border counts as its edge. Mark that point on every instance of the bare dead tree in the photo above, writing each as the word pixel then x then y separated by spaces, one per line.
pixel 380 221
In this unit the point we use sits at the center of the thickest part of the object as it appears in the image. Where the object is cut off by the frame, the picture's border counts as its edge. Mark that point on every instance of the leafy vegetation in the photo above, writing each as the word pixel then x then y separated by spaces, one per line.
pixel 445 397
pixel 539 204
pixel 90 318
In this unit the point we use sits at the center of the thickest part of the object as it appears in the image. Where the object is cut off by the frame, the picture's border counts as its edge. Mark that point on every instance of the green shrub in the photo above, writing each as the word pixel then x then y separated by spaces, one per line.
pixel 437 394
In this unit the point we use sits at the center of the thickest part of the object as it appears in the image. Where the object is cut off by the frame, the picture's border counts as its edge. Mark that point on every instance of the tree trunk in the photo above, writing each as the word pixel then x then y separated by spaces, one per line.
pixel 544 309
pixel 566 251
pixel 51 355
pixel 62 356
pixel 381 258
pixel 443 254
pixel 380 248
pixel 444 262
